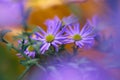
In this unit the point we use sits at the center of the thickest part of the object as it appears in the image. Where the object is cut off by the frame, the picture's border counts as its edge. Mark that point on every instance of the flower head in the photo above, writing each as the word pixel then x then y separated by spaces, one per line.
pixel 30 52
pixel 82 37
pixel 53 36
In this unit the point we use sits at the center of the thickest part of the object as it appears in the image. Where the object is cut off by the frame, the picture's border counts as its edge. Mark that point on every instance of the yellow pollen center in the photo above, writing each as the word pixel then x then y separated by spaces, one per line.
pixel 77 37
pixel 30 48
pixel 49 38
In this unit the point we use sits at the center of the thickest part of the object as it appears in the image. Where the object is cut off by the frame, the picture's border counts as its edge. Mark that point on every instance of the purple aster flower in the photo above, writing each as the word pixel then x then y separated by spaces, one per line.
pixel 53 36
pixel 30 52
pixel 82 37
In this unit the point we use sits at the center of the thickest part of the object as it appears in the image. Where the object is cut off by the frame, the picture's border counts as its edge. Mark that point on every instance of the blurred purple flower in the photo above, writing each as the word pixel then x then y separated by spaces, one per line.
pixel 78 69
pixel 70 20
pixel 53 36
pixel 10 12
pixel 80 38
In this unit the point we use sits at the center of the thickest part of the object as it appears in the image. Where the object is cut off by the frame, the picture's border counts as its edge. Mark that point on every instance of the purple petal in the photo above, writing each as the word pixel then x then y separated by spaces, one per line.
pixel 42 31
pixel 45 47
pixel 84 28
pixel 70 29
pixel 55 45
pixel 80 43
pixel 61 32
pixel 69 32
pixel 57 42
pixel 68 41
pixel 60 37
pixel 48 46
pixel 76 27
pixel 49 24
pixel 88 38
pixel 39 35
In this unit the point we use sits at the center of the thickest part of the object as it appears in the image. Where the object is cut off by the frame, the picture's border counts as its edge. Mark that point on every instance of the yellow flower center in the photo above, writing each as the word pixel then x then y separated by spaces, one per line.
pixel 50 38
pixel 77 37
pixel 30 48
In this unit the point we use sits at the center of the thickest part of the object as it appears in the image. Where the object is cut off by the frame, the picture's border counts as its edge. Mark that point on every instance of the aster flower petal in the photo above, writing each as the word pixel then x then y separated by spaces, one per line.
pixel 70 29
pixel 55 45
pixel 68 41
pixel 57 42
pixel 84 28
pixel 76 27
pixel 39 35
pixel 43 47
pixel 61 32
pixel 78 44
pixel 49 25
pixel 61 37
pixel 42 31
pixel 56 29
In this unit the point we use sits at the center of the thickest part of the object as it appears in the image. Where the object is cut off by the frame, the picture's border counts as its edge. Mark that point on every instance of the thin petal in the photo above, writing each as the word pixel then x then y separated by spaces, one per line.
pixel 49 24
pixel 69 32
pixel 43 47
pixel 60 37
pixel 38 35
pixel 55 45
pixel 42 31
pixel 68 41
pixel 48 46
pixel 57 42
pixel 61 32
pixel 84 28
pixel 70 29
pixel 76 27
pixel 80 43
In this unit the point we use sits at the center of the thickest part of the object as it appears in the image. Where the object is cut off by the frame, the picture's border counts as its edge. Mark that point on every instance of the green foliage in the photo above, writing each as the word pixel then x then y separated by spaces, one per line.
pixel 9 46
pixel 29 62
pixel 2 34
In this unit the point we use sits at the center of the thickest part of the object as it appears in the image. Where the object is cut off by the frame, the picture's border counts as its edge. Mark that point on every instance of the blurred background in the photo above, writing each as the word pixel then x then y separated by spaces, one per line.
pixel 105 51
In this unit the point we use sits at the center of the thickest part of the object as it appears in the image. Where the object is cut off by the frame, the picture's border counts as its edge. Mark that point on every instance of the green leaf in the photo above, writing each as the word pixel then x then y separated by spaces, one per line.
pixel 36 29
pixel 9 46
pixel 37 46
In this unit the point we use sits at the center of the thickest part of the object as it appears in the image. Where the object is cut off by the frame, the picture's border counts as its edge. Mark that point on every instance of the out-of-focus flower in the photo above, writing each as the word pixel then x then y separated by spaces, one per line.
pixel 53 36
pixel 80 38
pixel 10 13
pixel 30 52
pixel 70 20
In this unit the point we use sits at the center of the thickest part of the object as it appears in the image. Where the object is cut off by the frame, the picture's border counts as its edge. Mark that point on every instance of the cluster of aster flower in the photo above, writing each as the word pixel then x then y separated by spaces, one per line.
pixel 61 33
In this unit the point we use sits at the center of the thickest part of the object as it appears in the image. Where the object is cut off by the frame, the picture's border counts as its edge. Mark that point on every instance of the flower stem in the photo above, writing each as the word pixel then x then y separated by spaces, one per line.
pixel 75 50
pixel 24 72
